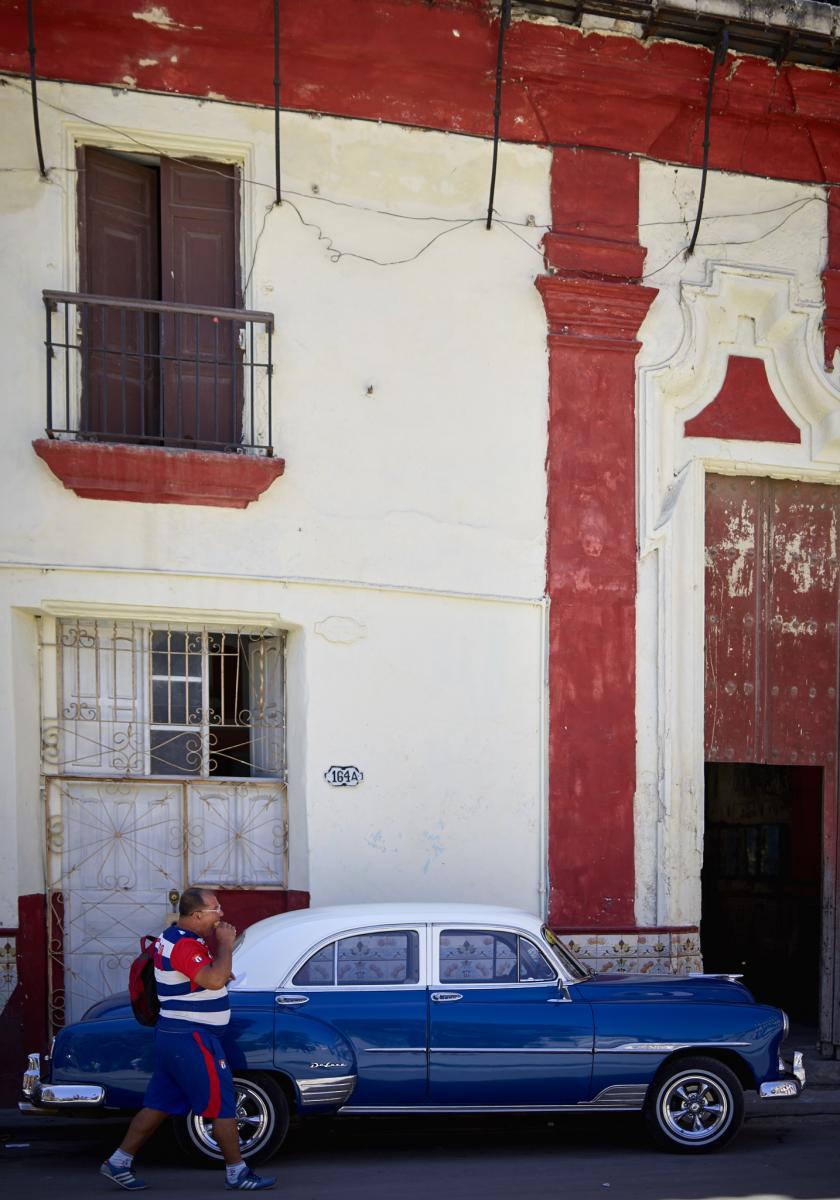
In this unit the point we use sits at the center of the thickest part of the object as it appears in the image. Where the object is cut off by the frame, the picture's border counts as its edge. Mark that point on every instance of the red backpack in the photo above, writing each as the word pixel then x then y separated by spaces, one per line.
pixel 142 988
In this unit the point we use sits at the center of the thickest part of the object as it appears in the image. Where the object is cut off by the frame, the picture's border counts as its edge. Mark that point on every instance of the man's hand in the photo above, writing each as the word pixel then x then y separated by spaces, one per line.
pixel 225 935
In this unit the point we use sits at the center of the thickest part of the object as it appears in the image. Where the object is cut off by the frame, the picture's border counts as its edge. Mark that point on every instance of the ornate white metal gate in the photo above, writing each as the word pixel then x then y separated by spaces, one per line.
pixel 137 702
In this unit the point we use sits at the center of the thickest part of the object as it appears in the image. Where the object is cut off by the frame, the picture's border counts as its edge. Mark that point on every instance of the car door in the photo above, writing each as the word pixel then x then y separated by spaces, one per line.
pixel 503 1031
pixel 371 985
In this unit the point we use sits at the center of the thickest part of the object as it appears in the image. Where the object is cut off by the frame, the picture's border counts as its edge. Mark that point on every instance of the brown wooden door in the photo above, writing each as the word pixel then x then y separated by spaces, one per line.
pixel 120 256
pixel 202 378
pixel 160 231
pixel 771 652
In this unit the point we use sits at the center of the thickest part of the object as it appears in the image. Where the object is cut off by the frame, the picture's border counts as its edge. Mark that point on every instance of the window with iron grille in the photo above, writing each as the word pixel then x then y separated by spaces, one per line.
pixel 160 700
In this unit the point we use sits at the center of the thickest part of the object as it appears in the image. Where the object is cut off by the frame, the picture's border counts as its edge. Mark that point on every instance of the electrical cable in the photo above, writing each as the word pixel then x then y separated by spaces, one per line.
pixel 337 254
pixel 718 58
pixel 33 83
pixel 504 22
pixel 277 197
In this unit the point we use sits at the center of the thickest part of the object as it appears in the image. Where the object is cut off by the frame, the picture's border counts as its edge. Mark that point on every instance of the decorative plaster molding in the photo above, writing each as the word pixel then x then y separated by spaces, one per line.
pixel 743 312
pixel 749 313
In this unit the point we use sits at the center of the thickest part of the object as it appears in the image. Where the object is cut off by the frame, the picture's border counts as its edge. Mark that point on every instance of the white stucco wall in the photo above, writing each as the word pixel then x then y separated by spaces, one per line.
pixel 752 288
pixel 410 405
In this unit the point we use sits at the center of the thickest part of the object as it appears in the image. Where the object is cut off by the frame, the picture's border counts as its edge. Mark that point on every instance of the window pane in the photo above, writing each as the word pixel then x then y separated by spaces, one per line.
pixel 533 965
pixel 319 969
pixel 174 752
pixel 477 956
pixel 168 664
pixel 385 958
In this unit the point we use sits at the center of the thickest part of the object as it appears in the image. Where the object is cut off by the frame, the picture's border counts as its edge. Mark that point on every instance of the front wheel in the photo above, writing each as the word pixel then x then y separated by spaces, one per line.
pixel 262 1117
pixel 694 1105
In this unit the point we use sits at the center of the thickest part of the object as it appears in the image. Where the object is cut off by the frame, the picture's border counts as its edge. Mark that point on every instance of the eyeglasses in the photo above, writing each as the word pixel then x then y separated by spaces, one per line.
pixel 218 909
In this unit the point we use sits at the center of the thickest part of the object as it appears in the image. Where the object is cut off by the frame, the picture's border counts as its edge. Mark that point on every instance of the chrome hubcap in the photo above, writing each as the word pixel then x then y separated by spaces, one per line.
pixel 695 1107
pixel 253 1121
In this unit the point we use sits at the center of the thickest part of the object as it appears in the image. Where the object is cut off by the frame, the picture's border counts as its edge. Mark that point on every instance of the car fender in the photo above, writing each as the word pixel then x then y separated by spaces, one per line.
pixel 745 1036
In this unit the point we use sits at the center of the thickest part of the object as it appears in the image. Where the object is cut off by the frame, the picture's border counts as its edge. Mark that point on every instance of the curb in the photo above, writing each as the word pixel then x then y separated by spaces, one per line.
pixel 18 1126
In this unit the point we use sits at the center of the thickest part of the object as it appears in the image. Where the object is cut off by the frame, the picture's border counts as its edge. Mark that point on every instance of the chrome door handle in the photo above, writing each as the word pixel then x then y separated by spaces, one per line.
pixel 293 999
pixel 446 997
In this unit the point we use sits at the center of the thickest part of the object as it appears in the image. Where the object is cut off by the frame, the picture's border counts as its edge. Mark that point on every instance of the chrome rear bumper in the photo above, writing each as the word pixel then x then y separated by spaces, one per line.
pixel 792 1083
pixel 52 1097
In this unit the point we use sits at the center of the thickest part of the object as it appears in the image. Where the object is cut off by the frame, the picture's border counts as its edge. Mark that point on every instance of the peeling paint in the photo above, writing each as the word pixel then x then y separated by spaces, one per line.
pixel 740 541
pixel 147 62
pixel 158 16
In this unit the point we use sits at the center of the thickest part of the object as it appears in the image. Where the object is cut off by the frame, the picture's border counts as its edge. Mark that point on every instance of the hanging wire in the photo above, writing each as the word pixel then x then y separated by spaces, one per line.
pixel 504 22
pixel 718 58
pixel 30 21
pixel 277 197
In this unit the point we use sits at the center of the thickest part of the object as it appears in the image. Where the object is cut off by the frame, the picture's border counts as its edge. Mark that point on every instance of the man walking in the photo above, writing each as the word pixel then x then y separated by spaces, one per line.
pixel 191 1072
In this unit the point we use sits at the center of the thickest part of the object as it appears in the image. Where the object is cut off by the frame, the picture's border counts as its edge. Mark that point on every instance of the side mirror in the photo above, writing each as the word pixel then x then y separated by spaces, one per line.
pixel 563 996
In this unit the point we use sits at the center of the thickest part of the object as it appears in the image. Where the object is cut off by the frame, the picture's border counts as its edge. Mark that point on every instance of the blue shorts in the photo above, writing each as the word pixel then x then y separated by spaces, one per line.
pixel 191 1075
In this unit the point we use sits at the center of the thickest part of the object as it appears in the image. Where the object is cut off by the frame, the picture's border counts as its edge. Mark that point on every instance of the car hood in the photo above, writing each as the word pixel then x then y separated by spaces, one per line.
pixel 713 989
pixel 118 1005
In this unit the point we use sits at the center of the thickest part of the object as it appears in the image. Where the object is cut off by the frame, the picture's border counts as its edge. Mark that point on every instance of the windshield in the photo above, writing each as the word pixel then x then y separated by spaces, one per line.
pixel 571 965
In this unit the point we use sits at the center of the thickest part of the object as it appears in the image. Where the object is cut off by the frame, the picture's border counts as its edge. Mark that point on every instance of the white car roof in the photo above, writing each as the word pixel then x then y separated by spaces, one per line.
pixel 271 947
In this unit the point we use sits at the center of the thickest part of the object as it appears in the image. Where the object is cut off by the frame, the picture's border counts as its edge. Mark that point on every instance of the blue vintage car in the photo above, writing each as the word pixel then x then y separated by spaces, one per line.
pixel 443 1009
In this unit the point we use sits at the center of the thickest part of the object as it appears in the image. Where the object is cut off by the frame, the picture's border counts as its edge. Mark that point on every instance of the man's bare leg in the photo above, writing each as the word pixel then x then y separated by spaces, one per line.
pixel 227 1136
pixel 141 1129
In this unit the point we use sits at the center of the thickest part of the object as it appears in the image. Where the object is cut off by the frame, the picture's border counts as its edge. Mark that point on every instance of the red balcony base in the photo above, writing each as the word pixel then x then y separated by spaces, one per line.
pixel 156 475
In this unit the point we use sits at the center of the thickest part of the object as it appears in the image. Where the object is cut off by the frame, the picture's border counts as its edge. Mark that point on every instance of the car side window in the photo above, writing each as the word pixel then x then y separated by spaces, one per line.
pixel 387 958
pixel 534 967
pixel 490 956
pixel 477 956
pixel 317 970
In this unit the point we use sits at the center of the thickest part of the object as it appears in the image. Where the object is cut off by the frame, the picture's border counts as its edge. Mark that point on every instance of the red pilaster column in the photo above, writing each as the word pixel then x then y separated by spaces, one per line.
pixel 595 307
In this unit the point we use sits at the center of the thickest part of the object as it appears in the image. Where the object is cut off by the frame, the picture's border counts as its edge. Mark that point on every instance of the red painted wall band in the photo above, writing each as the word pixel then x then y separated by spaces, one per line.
pixel 413 63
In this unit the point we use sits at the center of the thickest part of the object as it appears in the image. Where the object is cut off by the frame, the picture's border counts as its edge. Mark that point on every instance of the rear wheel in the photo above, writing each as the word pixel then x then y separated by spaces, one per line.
pixel 262 1117
pixel 694 1105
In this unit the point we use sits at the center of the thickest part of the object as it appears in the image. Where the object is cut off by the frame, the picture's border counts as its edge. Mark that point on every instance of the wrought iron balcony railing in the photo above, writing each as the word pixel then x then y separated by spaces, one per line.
pixel 154 373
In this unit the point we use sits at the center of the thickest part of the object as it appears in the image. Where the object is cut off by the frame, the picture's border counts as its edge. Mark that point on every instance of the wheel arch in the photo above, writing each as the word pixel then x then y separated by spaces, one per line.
pixel 723 1054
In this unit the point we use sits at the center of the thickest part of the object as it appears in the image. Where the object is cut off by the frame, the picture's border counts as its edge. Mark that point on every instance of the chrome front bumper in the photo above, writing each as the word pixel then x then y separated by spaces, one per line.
pixel 791 1085
pixel 52 1097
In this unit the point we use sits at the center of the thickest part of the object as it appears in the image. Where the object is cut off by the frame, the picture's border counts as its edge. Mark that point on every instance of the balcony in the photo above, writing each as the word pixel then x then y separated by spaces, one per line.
pixel 158 402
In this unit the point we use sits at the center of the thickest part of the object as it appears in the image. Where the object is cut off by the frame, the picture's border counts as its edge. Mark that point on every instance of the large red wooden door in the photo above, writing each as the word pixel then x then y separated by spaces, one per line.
pixel 771 652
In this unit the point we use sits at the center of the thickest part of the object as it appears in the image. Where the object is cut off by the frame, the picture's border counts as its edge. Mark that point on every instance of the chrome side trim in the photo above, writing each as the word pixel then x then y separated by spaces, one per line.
pixel 510 1050
pixel 582 1106
pixel 395 1050
pixel 662 1047
pixel 70 1094
pixel 335 1090
pixel 620 1095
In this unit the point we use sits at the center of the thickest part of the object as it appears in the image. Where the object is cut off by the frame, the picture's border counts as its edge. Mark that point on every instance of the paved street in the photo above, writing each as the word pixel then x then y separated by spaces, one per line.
pixel 581 1157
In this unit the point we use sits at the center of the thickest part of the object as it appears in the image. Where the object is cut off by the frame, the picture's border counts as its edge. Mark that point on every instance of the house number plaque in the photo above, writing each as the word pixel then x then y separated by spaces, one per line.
pixel 344 776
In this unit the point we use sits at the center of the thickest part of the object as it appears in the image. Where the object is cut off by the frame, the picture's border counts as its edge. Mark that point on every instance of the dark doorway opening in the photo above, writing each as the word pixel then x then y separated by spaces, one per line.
pixel 761 881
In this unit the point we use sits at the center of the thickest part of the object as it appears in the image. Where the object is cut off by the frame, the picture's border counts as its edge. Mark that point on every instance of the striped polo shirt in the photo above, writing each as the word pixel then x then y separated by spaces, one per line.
pixel 184 1004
